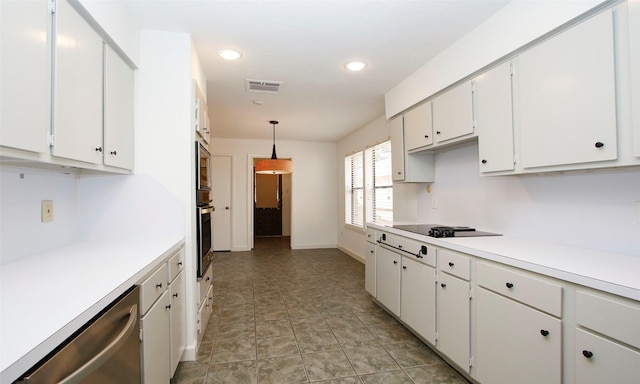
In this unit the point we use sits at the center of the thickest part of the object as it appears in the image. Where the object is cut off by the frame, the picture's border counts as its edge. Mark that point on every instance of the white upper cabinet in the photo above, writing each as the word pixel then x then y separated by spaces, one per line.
pixel 494 119
pixel 25 69
pixel 118 111
pixel 418 127
pixel 410 168
pixel 453 113
pixel 567 99
pixel 77 124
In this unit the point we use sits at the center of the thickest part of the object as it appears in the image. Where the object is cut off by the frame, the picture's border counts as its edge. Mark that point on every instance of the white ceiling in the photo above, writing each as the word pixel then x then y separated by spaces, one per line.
pixel 304 44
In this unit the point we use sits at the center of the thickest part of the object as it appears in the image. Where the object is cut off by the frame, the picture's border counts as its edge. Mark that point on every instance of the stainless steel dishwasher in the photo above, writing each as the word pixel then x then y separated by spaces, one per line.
pixel 104 351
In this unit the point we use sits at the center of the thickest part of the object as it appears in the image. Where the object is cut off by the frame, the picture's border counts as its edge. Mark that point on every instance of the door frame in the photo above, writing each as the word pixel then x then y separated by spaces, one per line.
pixel 251 197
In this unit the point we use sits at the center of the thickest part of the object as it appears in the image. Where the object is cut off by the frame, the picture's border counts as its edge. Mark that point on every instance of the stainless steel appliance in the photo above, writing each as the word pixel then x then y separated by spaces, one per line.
pixel 105 351
pixel 438 230
pixel 204 208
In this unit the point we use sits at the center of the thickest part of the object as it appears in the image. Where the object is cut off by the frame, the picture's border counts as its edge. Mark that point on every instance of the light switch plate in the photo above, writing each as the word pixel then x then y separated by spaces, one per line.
pixel 47 211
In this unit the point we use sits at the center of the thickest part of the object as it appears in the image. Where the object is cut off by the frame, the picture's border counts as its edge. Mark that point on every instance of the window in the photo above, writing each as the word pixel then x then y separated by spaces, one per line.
pixel 368 186
pixel 354 189
pixel 378 184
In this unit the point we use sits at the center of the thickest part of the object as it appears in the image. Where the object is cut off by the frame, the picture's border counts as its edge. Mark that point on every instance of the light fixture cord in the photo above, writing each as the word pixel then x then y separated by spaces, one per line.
pixel 273 152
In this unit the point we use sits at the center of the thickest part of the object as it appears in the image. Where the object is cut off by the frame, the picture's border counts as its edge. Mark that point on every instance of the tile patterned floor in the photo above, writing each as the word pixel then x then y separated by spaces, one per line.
pixel 302 316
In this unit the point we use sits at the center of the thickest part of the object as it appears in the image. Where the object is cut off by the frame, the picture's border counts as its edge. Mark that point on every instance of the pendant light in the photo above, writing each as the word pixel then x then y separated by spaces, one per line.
pixel 273 166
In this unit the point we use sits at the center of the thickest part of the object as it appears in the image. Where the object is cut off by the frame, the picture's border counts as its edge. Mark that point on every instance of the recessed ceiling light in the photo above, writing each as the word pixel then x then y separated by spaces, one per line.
pixel 355 66
pixel 229 54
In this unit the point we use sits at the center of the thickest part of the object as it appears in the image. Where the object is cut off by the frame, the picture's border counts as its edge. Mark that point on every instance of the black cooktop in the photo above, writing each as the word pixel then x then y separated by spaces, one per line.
pixel 438 230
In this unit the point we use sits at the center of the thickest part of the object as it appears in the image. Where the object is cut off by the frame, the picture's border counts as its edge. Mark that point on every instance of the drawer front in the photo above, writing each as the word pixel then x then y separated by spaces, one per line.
pixel 454 263
pixel 421 252
pixel 176 264
pixel 610 317
pixel 205 282
pixel 204 313
pixel 528 290
pixel 152 287
pixel 599 360
pixel 371 235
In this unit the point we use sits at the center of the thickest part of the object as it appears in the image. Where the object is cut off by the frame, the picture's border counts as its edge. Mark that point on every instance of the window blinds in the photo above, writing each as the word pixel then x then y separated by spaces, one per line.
pixel 378 184
pixel 354 189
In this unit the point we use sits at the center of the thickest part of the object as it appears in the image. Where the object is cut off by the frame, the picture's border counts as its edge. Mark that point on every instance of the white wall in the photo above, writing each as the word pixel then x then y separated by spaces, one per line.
pixel 313 210
pixel 595 210
pixel 21 231
pixel 515 25
pixel 164 140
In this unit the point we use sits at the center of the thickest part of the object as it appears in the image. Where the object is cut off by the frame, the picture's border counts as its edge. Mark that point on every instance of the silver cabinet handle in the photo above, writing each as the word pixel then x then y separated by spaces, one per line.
pixel 104 355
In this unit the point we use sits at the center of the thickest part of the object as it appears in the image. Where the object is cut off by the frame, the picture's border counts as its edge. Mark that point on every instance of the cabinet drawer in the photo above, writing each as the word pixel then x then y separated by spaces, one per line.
pixel 204 313
pixel 454 263
pixel 609 317
pixel 599 360
pixel 422 252
pixel 205 282
pixel 371 235
pixel 151 288
pixel 176 264
pixel 528 290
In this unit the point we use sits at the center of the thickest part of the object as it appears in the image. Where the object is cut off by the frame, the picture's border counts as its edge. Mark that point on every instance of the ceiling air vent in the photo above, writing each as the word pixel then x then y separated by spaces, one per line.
pixel 263 86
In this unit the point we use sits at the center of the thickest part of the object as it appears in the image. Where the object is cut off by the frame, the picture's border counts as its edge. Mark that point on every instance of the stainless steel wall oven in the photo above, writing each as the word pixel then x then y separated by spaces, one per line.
pixel 204 208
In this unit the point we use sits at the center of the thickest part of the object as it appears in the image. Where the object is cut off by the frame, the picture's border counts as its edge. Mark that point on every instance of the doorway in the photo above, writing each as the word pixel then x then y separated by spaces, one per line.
pixel 271 210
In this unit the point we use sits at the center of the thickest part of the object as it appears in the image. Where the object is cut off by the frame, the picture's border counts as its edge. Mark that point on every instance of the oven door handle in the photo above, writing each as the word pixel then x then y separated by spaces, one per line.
pixel 104 355
pixel 208 209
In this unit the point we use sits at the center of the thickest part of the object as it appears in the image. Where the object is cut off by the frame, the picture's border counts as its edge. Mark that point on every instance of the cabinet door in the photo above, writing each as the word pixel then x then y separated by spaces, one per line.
pixel 397 149
pixel 418 127
pixel 453 113
pixel 494 119
pixel 453 319
pixel 77 124
pixel 566 90
pixel 634 59
pixel 25 95
pixel 155 342
pixel 178 321
pixel 515 343
pixel 599 360
pixel 118 111
pixel 418 298
pixel 388 279
pixel 370 269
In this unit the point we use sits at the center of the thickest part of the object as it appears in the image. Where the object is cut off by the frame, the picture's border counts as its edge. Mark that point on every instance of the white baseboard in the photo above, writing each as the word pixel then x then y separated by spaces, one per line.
pixel 353 254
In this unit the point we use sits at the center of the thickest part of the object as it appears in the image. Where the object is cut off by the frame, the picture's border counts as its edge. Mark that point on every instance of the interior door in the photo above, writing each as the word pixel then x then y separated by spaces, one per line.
pixel 221 195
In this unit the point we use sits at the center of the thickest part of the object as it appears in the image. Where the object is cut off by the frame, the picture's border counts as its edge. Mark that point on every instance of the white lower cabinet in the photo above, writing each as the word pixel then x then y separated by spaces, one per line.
pixel 204 313
pixel 454 319
pixel 388 279
pixel 370 269
pixel 599 360
pixel 607 348
pixel 156 342
pixel 178 320
pixel 418 298
pixel 515 343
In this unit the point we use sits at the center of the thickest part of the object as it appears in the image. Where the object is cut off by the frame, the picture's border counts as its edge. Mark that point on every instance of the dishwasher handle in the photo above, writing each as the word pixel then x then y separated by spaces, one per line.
pixel 104 355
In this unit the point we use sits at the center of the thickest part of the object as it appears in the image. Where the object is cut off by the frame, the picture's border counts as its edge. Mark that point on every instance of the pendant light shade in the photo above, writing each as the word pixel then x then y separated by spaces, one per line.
pixel 273 166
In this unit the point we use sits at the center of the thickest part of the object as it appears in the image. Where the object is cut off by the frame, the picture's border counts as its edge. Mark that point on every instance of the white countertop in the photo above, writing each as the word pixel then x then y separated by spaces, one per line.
pixel 46 297
pixel 608 272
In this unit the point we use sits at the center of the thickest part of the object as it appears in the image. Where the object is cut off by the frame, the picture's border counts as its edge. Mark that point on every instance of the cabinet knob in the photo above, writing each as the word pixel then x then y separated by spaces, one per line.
pixel 114 153
pixel 404 267
pixel 180 263
pixel 175 295
pixel 484 161
pixel 451 264
pixel 587 354
pixel 437 132
pixel 399 173
pixel 509 285
pixel 395 262
pixel 159 285
pixel 426 136
pixel 207 279
pixel 371 252
pixel 99 149
pixel 167 306
pixel 443 285
pixel 599 144
pixel 544 332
